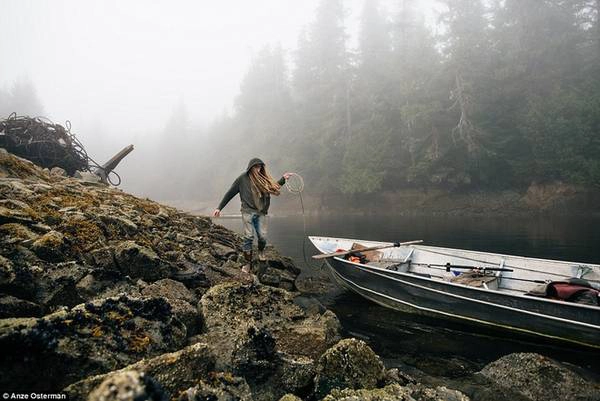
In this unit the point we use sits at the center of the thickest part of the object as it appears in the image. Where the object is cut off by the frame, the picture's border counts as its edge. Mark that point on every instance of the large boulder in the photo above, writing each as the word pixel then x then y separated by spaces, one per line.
pixel 351 363
pixel 540 378
pixel 91 338
pixel 229 309
pixel 259 333
pixel 175 371
pixel 395 392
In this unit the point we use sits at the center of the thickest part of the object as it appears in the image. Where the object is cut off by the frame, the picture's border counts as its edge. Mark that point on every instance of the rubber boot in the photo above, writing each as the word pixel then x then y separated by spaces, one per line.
pixel 261 251
pixel 247 268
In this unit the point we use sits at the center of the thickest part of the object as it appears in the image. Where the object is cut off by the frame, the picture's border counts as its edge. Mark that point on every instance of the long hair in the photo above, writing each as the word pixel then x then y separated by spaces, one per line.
pixel 263 183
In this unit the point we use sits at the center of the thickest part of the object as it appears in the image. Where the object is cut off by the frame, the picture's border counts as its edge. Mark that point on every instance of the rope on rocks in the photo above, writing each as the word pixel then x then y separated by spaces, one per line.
pixel 47 144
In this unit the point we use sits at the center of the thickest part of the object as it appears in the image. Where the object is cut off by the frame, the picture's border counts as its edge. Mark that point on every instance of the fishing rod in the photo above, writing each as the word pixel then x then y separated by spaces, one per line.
pixel 448 266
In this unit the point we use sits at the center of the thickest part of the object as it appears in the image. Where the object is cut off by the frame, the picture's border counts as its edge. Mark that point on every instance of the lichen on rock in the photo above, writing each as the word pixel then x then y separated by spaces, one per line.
pixel 351 363
pixel 540 378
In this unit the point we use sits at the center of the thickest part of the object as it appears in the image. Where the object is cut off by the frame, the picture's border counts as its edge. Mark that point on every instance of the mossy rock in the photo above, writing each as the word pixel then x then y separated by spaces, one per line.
pixel 351 363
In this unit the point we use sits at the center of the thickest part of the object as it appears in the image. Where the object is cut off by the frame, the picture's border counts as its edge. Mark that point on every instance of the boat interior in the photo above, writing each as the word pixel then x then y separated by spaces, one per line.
pixel 491 271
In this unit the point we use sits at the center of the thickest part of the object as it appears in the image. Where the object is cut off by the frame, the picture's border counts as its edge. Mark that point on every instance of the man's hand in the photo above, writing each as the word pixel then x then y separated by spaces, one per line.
pixel 287 175
pixel 217 213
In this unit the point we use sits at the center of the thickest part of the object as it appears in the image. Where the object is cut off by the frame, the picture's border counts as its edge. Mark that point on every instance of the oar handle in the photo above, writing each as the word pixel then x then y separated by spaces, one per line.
pixel 373 248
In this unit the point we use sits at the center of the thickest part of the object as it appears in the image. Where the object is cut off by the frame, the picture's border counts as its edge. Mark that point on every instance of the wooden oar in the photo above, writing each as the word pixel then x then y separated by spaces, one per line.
pixel 373 248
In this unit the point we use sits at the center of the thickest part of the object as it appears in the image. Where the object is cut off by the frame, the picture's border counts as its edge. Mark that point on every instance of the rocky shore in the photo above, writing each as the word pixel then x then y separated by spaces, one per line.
pixel 106 296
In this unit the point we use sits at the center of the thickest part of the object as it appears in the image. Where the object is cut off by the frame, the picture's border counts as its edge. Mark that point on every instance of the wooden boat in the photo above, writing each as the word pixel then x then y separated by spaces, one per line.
pixel 431 280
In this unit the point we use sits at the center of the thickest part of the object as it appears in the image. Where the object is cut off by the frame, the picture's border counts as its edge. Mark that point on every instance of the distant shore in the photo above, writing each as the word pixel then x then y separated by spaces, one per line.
pixel 539 199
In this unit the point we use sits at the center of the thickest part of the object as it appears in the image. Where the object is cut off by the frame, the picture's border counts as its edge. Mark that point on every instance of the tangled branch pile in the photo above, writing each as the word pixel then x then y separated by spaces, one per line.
pixel 44 143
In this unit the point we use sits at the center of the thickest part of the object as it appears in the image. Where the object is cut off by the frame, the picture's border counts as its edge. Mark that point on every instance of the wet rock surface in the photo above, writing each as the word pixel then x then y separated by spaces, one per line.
pixel 539 378
pixel 174 371
pixel 88 339
pixel 258 332
pixel 351 363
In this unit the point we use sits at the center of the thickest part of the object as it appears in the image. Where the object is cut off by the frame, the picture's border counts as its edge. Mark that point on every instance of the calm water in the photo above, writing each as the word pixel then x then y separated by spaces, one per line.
pixel 429 345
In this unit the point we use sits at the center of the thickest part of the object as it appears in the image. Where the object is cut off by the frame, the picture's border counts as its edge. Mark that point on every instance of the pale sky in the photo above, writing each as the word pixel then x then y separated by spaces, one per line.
pixel 124 65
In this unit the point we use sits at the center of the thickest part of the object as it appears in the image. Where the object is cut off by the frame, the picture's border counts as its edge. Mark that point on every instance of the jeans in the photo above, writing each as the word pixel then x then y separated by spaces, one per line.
pixel 254 224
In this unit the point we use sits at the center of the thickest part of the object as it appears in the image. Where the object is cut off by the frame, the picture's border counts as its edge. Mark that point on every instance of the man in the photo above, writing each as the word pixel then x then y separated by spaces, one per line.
pixel 255 187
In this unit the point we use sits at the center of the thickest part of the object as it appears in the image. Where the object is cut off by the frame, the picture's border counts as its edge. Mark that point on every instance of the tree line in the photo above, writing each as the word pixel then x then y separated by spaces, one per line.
pixel 503 94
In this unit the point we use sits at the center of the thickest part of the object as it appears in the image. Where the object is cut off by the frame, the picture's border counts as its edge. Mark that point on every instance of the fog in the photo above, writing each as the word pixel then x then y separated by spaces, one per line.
pixel 181 81
pixel 122 66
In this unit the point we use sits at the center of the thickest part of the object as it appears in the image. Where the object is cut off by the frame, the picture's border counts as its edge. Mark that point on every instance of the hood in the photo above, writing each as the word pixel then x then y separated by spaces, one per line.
pixel 254 162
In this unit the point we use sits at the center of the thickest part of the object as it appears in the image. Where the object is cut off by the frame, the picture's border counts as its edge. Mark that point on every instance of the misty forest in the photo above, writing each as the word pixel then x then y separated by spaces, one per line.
pixel 507 94
pixel 492 95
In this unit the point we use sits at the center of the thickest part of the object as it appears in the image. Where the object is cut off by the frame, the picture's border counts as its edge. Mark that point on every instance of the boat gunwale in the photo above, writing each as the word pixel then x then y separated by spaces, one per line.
pixel 383 243
pixel 452 316
pixel 459 285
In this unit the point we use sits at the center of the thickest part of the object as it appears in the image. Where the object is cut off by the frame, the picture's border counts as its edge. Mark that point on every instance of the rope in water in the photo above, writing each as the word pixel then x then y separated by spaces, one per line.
pixel 295 185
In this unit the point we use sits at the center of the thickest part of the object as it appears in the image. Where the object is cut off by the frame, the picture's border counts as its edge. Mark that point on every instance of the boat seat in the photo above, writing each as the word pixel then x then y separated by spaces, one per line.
pixel 393 265
pixel 473 279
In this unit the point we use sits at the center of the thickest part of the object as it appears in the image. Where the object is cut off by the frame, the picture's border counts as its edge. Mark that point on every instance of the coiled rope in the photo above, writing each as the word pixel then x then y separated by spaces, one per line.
pixel 295 185
pixel 48 144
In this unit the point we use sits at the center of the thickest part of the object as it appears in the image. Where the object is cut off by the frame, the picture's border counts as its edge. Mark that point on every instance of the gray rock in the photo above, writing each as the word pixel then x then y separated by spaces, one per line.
pixel 181 300
pixel 14 307
pixel 50 246
pixel 296 373
pixel 222 251
pixel 89 339
pixel 540 378
pixel 14 216
pixel 138 261
pixel 87 177
pixel 170 289
pixel 57 171
pixel 396 376
pixel 259 333
pixel 103 258
pixel 129 386
pixel 175 371
pixel 395 392
pixel 290 397
pixel 56 284
pixel 230 308
pixel 105 284
pixel 254 355
pixel 351 363
pixel 7 272
pixel 221 386
pixel 119 224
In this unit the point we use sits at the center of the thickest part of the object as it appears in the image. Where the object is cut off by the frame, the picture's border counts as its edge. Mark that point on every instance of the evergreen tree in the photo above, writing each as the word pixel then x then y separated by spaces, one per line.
pixel 321 88
pixel 367 148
